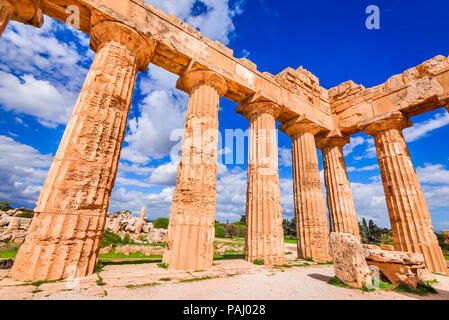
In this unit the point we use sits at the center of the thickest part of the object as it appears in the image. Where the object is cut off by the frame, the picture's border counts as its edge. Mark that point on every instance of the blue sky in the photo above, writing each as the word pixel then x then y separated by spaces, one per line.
pixel 42 72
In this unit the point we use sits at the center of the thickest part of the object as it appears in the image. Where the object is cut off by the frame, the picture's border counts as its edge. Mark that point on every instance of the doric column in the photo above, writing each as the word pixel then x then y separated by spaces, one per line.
pixel 340 202
pixel 191 231
pixel 310 209
pixel 70 216
pixel 25 11
pixel 265 234
pixel 409 215
pixel 140 221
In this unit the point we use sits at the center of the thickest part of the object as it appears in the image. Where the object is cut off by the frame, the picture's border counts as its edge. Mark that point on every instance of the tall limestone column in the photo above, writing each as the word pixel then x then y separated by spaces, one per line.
pixel 310 209
pixel 65 235
pixel 24 11
pixel 191 231
pixel 409 215
pixel 340 202
pixel 140 221
pixel 265 234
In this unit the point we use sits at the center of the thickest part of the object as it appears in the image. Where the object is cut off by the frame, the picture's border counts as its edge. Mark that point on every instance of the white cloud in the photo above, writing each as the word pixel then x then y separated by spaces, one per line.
pixel 354 143
pixel 165 174
pixel 361 169
pixel 285 157
pixel 37 98
pixel 422 129
pixel 433 174
pixel 23 171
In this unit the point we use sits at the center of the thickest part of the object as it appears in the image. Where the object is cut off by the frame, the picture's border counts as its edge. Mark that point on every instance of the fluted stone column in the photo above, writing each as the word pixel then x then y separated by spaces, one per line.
pixel 340 202
pixel 409 214
pixel 310 209
pixel 191 231
pixel 70 216
pixel 25 11
pixel 265 234
pixel 140 221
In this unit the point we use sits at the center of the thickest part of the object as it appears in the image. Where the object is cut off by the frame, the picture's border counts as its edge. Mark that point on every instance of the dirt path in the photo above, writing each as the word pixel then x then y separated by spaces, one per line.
pixel 228 280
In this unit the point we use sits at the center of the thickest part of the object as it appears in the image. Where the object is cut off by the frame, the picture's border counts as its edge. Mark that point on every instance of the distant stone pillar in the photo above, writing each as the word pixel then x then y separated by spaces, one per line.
pixel 310 209
pixel 191 231
pixel 409 215
pixel 342 214
pixel 24 11
pixel 70 216
pixel 265 234
pixel 140 221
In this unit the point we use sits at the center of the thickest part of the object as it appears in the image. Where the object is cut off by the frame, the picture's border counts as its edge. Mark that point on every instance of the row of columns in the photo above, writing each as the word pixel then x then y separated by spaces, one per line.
pixel 71 212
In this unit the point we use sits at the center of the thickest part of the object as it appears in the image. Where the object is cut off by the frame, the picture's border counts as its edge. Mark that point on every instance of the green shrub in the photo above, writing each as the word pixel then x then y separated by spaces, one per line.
pixel 162 265
pixel 5 205
pixel 127 239
pixel 422 289
pixel 161 223
pixel 219 231
pixel 27 215
pixel 110 238
pixel 259 262
pixel 337 282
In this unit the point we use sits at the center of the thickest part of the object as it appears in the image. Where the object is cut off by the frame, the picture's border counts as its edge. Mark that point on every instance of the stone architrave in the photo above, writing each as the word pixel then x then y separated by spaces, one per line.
pixel 192 216
pixel 24 11
pixel 310 209
pixel 141 220
pixel 409 215
pixel 342 214
pixel 70 216
pixel 265 234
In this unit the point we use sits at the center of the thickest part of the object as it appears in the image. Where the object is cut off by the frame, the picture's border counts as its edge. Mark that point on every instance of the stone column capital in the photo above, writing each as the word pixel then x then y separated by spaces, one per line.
pixel 109 31
pixel 331 140
pixel 259 107
pixel 26 11
pixel 191 80
pixel 390 120
pixel 300 125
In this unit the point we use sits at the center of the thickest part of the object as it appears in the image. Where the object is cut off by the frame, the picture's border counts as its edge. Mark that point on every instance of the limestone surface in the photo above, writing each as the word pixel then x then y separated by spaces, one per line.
pixel 349 260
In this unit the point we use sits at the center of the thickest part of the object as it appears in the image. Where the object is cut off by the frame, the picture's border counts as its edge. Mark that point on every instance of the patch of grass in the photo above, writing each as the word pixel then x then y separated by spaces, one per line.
pixel 36 291
pixel 165 279
pixel 334 281
pixel 9 253
pixel 100 281
pixel 162 265
pixel 309 259
pixel 446 257
pixel 133 286
pixel 440 274
pixel 199 270
pixel 422 289
pixel 196 279
pixel 259 262
pixel 325 263
pixel 301 265
pixel 386 286
pixel 99 267
pixel 41 282
pixel 134 255
pixel 290 241
pixel 288 252
pixel 365 288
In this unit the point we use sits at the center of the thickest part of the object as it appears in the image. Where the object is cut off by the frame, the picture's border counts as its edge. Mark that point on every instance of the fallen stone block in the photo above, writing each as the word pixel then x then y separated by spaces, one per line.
pixel 399 267
pixel 349 260
pixel 387 247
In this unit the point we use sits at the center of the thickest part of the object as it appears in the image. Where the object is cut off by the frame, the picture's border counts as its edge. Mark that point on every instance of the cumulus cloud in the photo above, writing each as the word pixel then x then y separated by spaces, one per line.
pixel 285 157
pixel 23 170
pixel 422 129
pixel 34 97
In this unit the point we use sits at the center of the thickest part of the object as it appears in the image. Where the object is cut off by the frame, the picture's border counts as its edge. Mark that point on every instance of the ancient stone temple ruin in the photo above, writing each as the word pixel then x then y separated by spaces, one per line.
pixel 127 36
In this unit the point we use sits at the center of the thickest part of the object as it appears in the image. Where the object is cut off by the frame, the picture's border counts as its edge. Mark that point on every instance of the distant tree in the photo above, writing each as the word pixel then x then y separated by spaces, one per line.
pixel 289 227
pixel 219 230
pixel 161 223
pixel 231 230
pixel 5 205
pixel 373 234
pixel 243 219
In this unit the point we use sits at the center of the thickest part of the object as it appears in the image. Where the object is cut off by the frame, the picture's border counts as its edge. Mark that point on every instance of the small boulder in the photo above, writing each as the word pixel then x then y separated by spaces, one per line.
pixel 369 246
pixel 6 264
pixel 349 260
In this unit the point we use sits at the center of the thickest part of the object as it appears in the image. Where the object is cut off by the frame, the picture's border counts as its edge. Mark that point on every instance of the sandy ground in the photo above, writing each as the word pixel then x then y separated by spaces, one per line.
pixel 228 280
